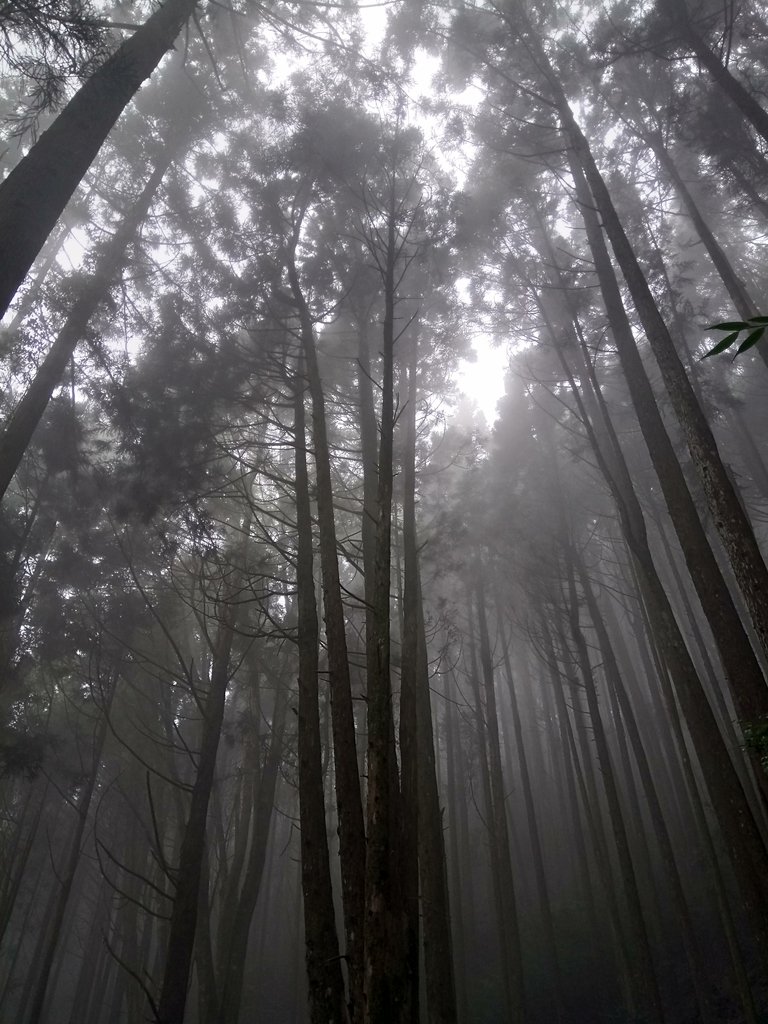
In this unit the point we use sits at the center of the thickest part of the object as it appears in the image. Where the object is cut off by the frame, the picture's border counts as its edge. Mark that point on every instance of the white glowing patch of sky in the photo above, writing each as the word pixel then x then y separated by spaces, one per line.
pixel 480 378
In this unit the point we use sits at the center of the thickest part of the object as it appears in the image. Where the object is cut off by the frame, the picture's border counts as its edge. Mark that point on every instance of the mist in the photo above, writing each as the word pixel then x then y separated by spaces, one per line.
pixel 383 513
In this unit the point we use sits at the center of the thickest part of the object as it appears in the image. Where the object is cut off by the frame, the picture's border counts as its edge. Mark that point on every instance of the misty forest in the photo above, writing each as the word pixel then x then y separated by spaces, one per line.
pixel 384 478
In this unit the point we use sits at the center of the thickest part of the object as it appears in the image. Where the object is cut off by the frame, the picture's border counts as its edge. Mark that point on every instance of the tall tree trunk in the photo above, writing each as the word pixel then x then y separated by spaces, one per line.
pixel 740 975
pixel 741 833
pixel 410 680
pixel 233 956
pixel 458 837
pixel 387 972
pixel 586 782
pixel 352 843
pixel 661 832
pixel 436 922
pixel 67 877
pixel 181 936
pixel 731 86
pixel 326 984
pixel 727 511
pixel 33 196
pixel 498 813
pixel 739 661
pixel 735 287
pixel 533 827
pixel 648 1000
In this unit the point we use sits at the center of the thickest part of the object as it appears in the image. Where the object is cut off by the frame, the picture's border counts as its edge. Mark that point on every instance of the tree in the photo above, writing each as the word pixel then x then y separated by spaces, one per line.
pixel 33 196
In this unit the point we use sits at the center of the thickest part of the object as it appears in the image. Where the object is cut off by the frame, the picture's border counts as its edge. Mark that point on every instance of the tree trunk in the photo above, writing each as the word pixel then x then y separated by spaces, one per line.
pixel 233 956
pixel 436 922
pixel 732 87
pixel 661 833
pixel 740 975
pixel 533 830
pixel 326 984
pixel 33 196
pixel 727 510
pixel 733 284
pixel 67 877
pixel 181 937
pixel 387 972
pixel 411 753
pixel 739 661
pixel 648 1002
pixel 352 844
pixel 741 833
pixel 498 825
pixel 22 423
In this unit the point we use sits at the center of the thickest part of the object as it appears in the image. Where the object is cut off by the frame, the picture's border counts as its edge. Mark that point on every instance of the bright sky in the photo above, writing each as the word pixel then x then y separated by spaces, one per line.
pixel 482 381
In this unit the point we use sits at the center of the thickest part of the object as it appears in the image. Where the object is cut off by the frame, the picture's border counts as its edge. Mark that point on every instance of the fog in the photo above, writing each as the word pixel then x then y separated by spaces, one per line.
pixel 383 605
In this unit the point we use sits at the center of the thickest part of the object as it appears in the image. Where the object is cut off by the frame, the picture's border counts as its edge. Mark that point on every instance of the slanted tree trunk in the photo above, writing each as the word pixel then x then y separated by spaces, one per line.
pixel 67 877
pixel 740 976
pixel 738 658
pixel 741 833
pixel 661 832
pixel 33 196
pixel 21 425
pixel 735 287
pixel 643 976
pixel 727 511
pixel 743 99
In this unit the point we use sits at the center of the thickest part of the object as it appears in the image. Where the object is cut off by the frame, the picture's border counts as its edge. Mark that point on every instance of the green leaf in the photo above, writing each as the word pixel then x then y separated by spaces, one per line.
pixel 721 346
pixel 758 319
pixel 751 340
pixel 730 325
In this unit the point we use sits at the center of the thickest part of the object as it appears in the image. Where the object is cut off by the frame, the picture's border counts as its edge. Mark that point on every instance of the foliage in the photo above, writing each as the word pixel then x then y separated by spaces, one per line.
pixel 755 328
pixel 47 43
pixel 756 740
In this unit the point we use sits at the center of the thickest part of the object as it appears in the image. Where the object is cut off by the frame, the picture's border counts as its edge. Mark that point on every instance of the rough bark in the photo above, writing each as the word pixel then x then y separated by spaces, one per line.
pixel 727 511
pixel 741 833
pixel 738 658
